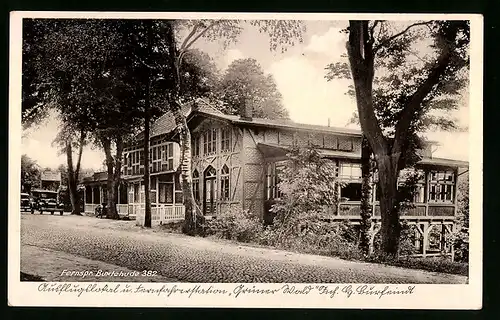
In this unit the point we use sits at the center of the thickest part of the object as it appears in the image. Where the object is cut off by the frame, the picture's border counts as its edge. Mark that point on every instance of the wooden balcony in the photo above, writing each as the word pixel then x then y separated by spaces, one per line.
pixel 154 168
pixel 421 212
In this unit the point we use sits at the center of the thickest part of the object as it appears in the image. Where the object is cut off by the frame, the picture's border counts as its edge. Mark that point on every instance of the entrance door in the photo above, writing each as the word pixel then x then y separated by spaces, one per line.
pixel 210 192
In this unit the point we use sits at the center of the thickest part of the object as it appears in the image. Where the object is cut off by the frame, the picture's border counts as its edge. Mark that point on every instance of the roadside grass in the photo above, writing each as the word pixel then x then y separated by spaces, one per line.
pixel 350 253
pixel 432 264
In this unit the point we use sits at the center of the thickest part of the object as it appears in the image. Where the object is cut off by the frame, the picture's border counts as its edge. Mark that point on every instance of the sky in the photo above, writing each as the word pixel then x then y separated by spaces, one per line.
pixel 299 74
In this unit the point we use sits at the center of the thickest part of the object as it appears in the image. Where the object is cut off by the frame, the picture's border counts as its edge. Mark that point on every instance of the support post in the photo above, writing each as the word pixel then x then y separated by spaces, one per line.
pixel 93 199
pixel 425 240
pixel 443 238
pixel 452 249
pixel 100 194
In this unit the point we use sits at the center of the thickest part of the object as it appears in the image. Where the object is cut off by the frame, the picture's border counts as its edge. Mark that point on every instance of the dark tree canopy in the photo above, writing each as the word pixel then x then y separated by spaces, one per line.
pixel 30 173
pixel 397 85
pixel 245 84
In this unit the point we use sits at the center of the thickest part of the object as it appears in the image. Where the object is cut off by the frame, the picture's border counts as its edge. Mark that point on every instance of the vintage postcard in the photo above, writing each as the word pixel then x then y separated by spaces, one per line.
pixel 245 160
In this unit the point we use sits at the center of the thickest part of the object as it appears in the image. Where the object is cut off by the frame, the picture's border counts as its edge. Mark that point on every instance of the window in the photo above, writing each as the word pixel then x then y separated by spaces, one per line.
pixel 178 190
pixel 224 183
pixel 196 146
pixel 167 162
pixel 152 187
pixel 156 158
pixel 196 185
pixel 133 163
pixel 441 186
pixel 205 142
pixel 273 179
pixel 136 193
pixel 166 194
pixel 350 171
pixel 419 195
pixel 225 140
pixel 210 141
pixel 351 192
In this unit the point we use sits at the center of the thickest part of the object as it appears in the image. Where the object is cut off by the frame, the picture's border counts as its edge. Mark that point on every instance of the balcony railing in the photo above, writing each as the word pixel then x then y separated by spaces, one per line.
pixel 160 213
pixel 352 210
pixel 122 209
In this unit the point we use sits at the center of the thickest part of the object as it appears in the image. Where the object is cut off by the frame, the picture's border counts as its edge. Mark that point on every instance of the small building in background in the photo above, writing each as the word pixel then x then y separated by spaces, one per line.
pixel 94 193
pixel 50 180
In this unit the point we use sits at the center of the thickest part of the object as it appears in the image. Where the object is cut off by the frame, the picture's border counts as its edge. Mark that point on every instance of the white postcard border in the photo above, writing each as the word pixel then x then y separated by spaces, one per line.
pixel 467 296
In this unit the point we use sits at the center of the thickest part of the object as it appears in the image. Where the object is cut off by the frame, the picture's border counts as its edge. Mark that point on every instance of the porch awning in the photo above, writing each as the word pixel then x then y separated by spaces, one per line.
pixel 271 150
pixel 444 162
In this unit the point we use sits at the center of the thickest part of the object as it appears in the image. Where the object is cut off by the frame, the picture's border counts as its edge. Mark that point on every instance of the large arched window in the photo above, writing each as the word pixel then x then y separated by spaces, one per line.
pixel 196 185
pixel 224 183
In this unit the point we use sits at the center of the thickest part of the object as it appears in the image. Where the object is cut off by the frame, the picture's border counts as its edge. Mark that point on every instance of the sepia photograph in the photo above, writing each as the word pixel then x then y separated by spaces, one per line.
pixel 237 152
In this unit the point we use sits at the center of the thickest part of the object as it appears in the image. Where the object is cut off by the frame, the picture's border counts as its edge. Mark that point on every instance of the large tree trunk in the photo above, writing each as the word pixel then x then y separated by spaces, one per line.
pixel 365 207
pixel 117 173
pixel 147 208
pixel 361 60
pixel 147 107
pixel 389 206
pixel 111 186
pixel 72 182
pixel 193 219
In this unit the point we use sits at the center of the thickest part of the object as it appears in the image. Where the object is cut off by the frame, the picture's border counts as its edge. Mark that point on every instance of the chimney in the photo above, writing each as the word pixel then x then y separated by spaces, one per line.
pixel 246 111
pixel 328 121
pixel 195 106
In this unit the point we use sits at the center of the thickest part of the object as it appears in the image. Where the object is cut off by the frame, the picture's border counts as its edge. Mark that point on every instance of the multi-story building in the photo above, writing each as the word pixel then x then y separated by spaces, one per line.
pixel 236 162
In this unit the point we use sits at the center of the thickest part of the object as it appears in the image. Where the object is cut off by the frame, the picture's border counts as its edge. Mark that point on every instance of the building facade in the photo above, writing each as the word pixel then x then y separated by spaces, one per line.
pixel 50 180
pixel 236 164
pixel 94 193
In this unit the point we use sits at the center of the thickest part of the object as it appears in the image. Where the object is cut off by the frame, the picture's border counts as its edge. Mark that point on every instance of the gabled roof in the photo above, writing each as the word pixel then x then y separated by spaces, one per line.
pixel 166 123
pixel 275 123
pixel 272 150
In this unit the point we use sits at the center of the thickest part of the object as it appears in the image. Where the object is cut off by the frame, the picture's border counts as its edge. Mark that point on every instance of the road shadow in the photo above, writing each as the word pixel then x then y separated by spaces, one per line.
pixel 29 277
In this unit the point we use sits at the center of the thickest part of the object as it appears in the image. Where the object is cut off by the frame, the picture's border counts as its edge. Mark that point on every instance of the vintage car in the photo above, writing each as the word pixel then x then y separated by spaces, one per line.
pixel 25 202
pixel 46 200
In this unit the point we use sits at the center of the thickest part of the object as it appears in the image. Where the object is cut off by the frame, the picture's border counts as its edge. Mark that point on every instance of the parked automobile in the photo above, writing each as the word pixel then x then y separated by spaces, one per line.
pixel 25 202
pixel 46 200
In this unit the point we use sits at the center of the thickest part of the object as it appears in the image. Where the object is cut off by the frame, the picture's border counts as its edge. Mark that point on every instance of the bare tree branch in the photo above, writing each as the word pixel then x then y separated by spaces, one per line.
pixel 415 102
pixel 201 34
pixel 372 30
pixel 388 40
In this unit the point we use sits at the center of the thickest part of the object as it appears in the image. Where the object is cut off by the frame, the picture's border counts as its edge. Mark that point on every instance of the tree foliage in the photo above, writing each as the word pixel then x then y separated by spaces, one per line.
pixel 402 61
pixel 244 84
pixel 181 35
pixel 396 91
pixel 308 184
pixel 30 173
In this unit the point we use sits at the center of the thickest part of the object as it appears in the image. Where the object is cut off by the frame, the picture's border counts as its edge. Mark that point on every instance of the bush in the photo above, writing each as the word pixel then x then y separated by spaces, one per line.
pixel 234 225
pixel 406 240
pixel 315 236
pixel 460 242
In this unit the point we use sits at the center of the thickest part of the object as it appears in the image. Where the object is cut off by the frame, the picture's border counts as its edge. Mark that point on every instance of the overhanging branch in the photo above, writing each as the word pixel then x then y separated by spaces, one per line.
pixel 388 40
pixel 415 104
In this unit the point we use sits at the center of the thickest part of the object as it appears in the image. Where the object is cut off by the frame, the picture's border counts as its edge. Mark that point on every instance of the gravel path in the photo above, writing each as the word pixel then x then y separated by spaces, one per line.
pixel 188 259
